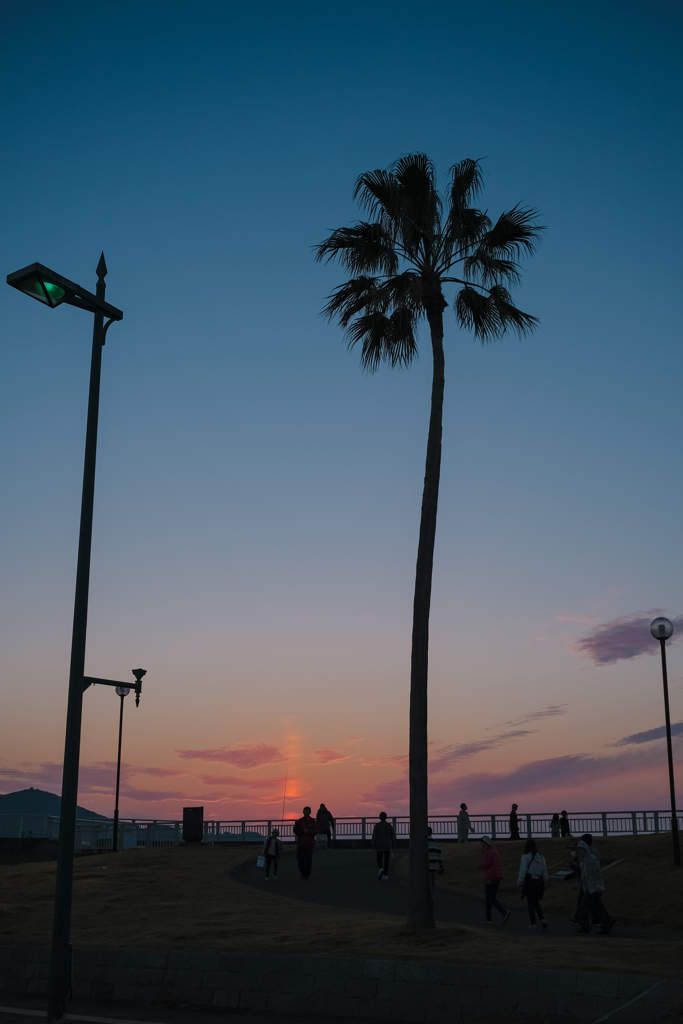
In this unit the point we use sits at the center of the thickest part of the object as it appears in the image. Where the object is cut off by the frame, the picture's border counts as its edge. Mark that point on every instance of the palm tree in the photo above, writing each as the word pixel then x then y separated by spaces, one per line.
pixel 413 244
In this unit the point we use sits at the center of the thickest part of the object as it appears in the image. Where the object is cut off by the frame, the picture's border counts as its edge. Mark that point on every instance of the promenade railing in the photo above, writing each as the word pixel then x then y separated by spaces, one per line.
pixel 93 835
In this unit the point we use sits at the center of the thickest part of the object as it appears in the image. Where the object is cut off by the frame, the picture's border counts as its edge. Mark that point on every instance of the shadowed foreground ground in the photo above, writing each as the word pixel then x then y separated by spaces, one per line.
pixel 196 898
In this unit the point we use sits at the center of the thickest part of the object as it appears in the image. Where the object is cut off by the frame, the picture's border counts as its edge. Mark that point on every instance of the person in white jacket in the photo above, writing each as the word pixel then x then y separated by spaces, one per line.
pixel 533 875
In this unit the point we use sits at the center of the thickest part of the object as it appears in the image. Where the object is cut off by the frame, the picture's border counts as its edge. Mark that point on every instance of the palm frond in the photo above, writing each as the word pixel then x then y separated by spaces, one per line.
pixel 361 248
pixel 490 314
pixel 403 290
pixel 420 215
pixel 466 183
pixel 379 193
pixel 464 229
pixel 405 201
pixel 489 270
pixel 511 318
pixel 352 297
pixel 384 339
pixel 515 232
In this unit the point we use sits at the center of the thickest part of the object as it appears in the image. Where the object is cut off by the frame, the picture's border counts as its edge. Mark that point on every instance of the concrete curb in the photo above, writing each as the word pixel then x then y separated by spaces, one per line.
pixel 399 990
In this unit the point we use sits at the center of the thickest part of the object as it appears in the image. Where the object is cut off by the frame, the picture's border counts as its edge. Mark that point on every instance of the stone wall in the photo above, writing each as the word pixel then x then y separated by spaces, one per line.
pixel 395 990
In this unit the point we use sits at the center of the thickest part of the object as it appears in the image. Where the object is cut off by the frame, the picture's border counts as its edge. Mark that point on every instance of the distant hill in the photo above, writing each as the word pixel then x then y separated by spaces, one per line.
pixel 37 801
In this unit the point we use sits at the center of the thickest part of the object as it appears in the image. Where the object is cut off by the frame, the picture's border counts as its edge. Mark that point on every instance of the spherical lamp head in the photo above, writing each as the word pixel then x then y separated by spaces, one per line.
pixel 661 628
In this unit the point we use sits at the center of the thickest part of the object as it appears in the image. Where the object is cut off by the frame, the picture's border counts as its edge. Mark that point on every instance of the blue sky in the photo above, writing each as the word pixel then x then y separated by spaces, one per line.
pixel 257 495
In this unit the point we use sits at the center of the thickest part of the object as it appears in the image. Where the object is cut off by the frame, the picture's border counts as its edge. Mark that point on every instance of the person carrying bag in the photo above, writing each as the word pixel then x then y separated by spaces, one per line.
pixel 533 875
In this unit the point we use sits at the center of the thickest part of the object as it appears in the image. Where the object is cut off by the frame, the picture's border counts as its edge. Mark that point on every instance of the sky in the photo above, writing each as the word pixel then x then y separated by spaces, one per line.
pixel 258 495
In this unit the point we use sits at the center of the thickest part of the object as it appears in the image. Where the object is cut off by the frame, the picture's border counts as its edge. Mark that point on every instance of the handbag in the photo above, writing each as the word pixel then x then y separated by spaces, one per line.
pixel 260 861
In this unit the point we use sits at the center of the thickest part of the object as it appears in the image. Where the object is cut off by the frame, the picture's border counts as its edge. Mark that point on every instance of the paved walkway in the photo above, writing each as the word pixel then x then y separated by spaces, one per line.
pixel 348 878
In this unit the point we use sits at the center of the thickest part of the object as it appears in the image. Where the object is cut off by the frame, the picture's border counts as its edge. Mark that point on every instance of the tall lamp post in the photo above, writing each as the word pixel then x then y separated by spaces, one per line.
pixel 52 289
pixel 661 630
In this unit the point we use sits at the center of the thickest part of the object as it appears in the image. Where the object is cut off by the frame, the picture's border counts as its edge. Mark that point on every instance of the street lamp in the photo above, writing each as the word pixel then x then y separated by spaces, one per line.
pixel 52 289
pixel 123 691
pixel 661 630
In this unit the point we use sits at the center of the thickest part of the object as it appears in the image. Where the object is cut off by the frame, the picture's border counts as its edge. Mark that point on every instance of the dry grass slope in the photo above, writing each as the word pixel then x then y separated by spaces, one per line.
pixel 188 898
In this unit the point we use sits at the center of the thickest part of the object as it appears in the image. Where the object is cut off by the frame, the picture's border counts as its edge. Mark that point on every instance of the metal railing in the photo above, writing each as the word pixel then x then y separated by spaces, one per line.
pixel 94 835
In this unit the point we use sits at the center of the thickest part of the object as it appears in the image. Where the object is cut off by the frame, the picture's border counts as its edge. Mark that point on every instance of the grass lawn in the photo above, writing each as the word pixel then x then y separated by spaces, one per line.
pixel 188 898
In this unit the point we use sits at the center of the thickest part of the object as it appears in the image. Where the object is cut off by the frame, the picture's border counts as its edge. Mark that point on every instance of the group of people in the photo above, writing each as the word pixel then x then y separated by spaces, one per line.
pixel 306 830
pixel 532 880
pixel 532 877
pixel 559 824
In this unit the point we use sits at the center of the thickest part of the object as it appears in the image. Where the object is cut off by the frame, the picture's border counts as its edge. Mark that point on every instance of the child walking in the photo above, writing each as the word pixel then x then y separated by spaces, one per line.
pixel 272 848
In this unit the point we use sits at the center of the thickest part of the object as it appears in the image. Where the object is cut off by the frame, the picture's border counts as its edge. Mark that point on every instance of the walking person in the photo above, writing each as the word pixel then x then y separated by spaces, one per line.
pixel 383 842
pixel 592 887
pixel 464 827
pixel 514 822
pixel 272 850
pixel 492 870
pixel 575 872
pixel 533 877
pixel 435 861
pixel 565 830
pixel 325 823
pixel 555 827
pixel 305 831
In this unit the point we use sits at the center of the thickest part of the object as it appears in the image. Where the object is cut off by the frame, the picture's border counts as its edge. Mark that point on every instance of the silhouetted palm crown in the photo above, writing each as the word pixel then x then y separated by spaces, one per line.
pixel 412 245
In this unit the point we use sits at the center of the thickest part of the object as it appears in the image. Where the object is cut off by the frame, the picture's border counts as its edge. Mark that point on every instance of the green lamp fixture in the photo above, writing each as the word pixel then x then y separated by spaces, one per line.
pixel 52 289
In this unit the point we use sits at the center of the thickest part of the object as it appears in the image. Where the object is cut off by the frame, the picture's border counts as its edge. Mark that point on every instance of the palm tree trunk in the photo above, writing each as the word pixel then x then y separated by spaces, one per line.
pixel 421 907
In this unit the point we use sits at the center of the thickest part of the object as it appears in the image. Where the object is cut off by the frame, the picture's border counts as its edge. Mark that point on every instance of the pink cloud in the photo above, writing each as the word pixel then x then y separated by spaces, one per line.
pixel 328 756
pixel 149 795
pixel 568 773
pixel 98 777
pixel 393 794
pixel 650 734
pixel 400 759
pixel 46 775
pixel 532 716
pixel 234 780
pixel 550 775
pixel 623 638
pixel 243 756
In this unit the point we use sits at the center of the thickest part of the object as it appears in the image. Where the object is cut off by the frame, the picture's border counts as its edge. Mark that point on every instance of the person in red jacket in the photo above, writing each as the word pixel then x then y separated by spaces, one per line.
pixel 305 830
pixel 492 870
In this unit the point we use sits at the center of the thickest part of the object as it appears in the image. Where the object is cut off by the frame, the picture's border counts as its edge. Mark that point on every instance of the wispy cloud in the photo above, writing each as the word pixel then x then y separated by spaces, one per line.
pixel 551 711
pixel 399 759
pixel 650 734
pixel 446 757
pixel 390 796
pixel 252 755
pixel 329 756
pixel 623 638
pixel 97 777
pixel 555 774
pixel 235 780
pixel 151 795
